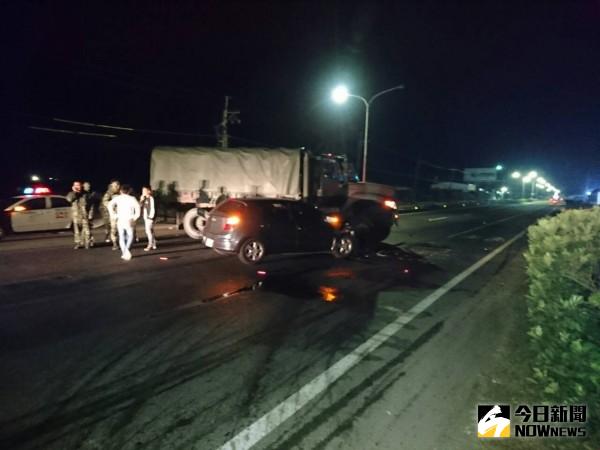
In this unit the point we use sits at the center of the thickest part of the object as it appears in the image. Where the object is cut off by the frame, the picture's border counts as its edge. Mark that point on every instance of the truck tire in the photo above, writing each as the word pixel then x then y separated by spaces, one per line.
pixel 194 222
pixel 371 225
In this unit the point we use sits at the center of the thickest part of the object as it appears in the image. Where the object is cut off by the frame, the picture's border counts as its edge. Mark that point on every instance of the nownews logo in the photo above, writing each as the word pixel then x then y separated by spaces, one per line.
pixel 535 421
pixel 493 421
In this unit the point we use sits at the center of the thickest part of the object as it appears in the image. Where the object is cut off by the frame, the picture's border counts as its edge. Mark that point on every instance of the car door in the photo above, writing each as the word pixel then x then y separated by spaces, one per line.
pixel 60 215
pixel 279 228
pixel 313 233
pixel 29 215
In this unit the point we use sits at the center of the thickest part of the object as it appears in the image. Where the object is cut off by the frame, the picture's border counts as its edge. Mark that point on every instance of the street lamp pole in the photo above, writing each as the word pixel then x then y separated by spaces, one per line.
pixel 343 94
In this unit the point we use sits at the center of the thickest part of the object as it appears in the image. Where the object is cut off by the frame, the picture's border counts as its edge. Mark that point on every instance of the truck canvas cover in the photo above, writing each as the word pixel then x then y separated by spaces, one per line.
pixel 240 171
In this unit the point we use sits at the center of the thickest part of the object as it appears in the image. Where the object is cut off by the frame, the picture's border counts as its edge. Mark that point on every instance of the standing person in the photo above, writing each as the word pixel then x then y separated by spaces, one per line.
pixel 110 225
pixel 81 228
pixel 92 200
pixel 148 213
pixel 124 209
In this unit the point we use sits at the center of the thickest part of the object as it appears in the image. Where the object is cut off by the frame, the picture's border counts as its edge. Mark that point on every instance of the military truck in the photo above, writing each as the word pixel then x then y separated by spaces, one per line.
pixel 202 177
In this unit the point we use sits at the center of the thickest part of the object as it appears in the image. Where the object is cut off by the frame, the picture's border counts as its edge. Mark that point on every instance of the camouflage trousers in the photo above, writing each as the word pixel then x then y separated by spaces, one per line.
pixel 81 231
pixel 110 227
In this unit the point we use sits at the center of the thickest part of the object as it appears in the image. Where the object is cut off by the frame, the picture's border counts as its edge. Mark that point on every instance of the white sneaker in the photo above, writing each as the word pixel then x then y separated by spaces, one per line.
pixel 127 256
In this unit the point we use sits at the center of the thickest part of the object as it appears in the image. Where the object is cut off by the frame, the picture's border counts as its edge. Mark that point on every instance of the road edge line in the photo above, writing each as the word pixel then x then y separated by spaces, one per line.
pixel 263 426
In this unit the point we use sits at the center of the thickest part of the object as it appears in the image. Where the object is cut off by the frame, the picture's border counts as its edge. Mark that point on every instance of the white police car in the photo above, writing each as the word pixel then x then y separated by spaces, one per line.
pixel 38 211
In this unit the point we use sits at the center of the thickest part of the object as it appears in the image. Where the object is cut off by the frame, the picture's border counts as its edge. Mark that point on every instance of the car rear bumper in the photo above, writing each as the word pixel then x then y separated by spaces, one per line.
pixel 226 243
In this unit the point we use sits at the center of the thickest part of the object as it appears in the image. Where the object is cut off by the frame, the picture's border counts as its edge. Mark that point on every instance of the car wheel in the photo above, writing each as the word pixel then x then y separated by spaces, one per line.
pixel 343 246
pixel 252 251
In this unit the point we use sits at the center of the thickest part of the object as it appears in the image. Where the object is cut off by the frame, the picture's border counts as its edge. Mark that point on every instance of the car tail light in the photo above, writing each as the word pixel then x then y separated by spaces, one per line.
pixel 390 204
pixel 231 222
pixel 334 220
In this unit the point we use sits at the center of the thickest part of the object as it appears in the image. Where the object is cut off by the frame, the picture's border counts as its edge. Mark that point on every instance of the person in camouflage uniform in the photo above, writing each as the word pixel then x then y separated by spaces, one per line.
pixel 110 225
pixel 81 226
pixel 92 201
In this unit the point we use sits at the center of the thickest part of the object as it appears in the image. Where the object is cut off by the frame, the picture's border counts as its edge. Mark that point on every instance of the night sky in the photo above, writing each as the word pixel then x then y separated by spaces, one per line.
pixel 516 83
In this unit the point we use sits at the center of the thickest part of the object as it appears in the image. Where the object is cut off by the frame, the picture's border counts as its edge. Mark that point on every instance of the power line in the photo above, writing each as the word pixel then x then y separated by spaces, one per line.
pixel 88 124
pixel 130 129
pixel 133 130
pixel 82 133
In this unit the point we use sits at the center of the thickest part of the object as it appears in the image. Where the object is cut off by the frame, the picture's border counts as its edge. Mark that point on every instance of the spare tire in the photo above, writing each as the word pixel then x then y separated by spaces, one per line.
pixel 194 222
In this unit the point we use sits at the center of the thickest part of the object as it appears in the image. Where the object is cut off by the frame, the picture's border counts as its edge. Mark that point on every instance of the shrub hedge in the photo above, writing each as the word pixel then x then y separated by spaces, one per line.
pixel 563 262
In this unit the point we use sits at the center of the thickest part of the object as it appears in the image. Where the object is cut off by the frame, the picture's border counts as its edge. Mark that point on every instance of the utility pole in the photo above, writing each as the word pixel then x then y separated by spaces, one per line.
pixel 229 117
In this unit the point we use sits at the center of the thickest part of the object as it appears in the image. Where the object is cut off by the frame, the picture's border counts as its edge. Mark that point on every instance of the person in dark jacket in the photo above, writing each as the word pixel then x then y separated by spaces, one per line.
pixel 148 213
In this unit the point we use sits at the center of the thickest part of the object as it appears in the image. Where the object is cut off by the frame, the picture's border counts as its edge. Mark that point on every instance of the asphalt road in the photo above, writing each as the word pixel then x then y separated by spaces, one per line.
pixel 183 348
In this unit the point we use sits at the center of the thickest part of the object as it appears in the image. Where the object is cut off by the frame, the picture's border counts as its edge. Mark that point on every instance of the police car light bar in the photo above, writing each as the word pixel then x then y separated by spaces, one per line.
pixel 37 190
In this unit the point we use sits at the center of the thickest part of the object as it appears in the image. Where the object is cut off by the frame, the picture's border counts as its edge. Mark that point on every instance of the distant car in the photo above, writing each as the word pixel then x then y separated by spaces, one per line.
pixel 35 213
pixel 253 228
pixel 556 201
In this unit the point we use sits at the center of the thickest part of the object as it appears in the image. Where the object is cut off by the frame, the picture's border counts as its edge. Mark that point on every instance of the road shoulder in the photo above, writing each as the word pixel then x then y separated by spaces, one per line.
pixel 480 356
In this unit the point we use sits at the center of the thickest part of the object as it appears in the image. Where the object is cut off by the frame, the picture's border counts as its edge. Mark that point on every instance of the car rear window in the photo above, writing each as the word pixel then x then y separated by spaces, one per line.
pixel 231 206
pixel 35 203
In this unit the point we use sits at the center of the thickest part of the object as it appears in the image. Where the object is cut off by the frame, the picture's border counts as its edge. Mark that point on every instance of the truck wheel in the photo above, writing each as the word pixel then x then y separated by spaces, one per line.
pixel 252 251
pixel 194 223
pixel 372 226
pixel 342 246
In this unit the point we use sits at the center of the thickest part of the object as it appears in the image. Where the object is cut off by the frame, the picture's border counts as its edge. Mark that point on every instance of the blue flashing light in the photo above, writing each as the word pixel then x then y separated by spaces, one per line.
pixel 28 191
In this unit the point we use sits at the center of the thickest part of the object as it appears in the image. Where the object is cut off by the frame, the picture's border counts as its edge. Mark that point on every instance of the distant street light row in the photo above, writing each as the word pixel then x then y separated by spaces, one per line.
pixel 536 182
pixel 341 94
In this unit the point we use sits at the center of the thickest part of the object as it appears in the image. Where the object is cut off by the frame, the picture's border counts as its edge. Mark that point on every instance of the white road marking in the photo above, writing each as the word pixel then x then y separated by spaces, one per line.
pixel 484 226
pixel 392 309
pixel 435 219
pixel 433 211
pixel 263 426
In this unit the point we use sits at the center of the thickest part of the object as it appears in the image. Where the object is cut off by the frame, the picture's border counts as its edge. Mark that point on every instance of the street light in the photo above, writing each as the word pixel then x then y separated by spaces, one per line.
pixel 340 94
pixel 531 176
pixel 499 167
pixel 526 179
pixel 516 175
